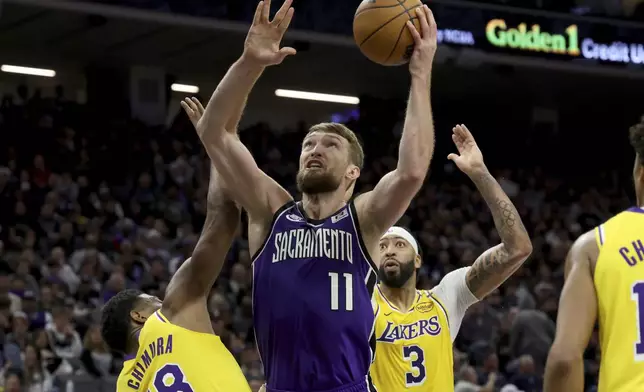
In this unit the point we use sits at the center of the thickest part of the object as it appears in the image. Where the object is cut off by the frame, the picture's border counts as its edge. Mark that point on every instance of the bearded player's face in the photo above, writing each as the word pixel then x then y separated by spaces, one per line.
pixel 398 262
pixel 323 163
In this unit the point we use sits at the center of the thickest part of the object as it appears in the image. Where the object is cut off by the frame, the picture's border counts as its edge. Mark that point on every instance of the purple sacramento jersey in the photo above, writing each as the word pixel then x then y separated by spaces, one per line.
pixel 312 286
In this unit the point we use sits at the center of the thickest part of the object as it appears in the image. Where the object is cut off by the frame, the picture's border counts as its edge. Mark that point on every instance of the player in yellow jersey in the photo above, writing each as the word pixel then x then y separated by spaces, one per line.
pixel 604 280
pixel 415 329
pixel 170 345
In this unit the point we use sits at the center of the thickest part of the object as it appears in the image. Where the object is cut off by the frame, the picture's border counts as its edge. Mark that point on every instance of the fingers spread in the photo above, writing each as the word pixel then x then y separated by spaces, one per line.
pixel 422 18
pixel 186 108
pixel 286 21
pixel 466 132
pixel 258 13
pixel 266 11
pixel 430 20
pixel 199 107
pixel 281 13
pixel 414 33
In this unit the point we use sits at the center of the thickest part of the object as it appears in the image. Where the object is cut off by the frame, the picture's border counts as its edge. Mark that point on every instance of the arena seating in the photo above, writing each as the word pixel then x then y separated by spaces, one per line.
pixel 78 225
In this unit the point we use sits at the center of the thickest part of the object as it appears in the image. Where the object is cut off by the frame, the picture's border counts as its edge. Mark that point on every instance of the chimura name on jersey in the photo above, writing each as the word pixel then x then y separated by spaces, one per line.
pixel 303 243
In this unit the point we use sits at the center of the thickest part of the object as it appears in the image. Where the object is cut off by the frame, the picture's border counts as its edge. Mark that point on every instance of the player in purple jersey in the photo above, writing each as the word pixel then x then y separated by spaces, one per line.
pixel 313 268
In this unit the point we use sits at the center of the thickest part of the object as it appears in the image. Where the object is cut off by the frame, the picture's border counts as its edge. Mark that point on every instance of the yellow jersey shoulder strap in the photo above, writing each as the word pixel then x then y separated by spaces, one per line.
pixel 600 235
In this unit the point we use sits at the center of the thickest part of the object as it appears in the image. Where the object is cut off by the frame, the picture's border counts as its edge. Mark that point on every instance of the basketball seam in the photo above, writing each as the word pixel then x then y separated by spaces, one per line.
pixel 377 8
pixel 393 49
pixel 383 25
pixel 402 30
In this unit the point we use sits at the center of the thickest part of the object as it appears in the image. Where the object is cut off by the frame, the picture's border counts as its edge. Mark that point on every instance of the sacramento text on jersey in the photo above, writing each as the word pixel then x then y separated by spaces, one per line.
pixel 306 243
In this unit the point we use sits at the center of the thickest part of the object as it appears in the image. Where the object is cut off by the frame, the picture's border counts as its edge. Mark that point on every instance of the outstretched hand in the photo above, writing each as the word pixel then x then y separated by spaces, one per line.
pixel 194 109
pixel 469 158
pixel 262 44
pixel 425 43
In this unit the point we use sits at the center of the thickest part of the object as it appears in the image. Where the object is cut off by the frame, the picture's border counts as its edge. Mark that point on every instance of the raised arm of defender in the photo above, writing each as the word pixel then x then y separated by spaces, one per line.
pixel 187 292
pixel 386 203
pixel 496 264
pixel 253 189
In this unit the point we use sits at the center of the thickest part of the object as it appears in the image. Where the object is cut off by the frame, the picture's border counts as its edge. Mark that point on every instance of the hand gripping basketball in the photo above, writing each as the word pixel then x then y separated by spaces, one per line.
pixel 425 43
pixel 262 44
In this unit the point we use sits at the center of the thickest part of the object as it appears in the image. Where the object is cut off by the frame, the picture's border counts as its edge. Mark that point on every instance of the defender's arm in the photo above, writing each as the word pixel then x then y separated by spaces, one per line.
pixel 497 264
pixel 575 319
pixel 194 279
pixel 387 202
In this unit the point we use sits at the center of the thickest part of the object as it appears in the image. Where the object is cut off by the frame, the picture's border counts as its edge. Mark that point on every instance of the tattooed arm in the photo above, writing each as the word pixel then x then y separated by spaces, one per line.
pixel 496 264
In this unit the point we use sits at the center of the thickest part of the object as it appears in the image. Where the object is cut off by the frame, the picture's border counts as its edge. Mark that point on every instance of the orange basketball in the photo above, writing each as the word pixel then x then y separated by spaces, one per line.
pixel 379 29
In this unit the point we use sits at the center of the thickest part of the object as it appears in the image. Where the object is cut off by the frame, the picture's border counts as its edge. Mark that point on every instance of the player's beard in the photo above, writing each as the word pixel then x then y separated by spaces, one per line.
pixel 310 182
pixel 398 279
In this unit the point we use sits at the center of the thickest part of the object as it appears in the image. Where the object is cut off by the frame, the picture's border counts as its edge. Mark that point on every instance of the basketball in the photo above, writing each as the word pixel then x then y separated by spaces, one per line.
pixel 380 30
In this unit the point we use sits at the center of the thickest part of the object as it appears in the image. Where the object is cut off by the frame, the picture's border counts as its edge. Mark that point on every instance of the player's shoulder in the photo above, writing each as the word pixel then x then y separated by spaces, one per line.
pixel 585 250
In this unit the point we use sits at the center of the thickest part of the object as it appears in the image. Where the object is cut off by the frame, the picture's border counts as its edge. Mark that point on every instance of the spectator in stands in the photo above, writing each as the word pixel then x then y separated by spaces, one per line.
pixel 65 341
pixel 97 359
pixel 35 374
pixel 468 381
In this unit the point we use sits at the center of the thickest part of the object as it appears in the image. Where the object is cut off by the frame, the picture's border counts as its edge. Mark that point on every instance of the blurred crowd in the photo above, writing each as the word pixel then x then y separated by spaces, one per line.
pixel 89 208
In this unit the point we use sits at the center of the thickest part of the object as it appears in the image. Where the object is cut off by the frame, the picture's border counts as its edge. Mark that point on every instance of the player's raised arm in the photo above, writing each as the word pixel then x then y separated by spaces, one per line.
pixel 496 264
pixel 248 185
pixel 575 319
pixel 193 280
pixel 387 202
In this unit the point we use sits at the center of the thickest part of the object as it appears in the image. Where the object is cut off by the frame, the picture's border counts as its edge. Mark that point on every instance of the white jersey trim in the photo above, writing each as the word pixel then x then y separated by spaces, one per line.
pixel 456 297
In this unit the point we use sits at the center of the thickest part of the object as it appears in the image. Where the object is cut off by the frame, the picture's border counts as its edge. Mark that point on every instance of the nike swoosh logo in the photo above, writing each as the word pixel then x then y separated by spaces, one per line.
pixel 387 314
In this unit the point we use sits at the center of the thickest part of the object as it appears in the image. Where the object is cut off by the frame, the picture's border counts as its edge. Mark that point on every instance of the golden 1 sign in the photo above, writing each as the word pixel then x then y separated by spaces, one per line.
pixel 534 39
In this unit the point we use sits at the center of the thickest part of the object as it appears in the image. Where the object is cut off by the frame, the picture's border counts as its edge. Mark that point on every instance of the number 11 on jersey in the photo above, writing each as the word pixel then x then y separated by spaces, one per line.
pixel 335 291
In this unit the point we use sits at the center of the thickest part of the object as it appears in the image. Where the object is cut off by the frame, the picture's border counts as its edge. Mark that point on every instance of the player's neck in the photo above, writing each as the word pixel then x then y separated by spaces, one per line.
pixel 402 298
pixel 322 205
pixel 133 344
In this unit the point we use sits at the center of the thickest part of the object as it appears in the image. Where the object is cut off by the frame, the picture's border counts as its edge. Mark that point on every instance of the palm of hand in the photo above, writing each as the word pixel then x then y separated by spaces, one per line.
pixel 263 44
pixel 263 40
pixel 470 156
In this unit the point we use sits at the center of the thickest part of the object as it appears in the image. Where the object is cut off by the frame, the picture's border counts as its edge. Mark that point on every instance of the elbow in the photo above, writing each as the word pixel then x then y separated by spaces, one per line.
pixel 521 250
pixel 412 177
pixel 562 361
pixel 209 133
pixel 524 250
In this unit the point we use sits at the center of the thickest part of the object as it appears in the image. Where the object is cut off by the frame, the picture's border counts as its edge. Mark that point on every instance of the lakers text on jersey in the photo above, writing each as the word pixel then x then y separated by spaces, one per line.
pixel 312 286
pixel 173 359
pixel 619 283
pixel 413 347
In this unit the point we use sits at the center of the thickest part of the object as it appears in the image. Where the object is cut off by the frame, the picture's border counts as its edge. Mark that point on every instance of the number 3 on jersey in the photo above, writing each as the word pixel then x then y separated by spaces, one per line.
pixel 170 378
pixel 416 357
pixel 335 291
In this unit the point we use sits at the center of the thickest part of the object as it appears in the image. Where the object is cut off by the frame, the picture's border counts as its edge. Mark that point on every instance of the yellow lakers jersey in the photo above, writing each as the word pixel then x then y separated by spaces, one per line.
pixel 413 347
pixel 172 359
pixel 619 283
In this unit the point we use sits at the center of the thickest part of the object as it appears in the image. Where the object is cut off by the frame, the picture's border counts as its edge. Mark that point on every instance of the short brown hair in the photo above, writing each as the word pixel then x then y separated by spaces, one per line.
pixel 636 136
pixel 355 148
